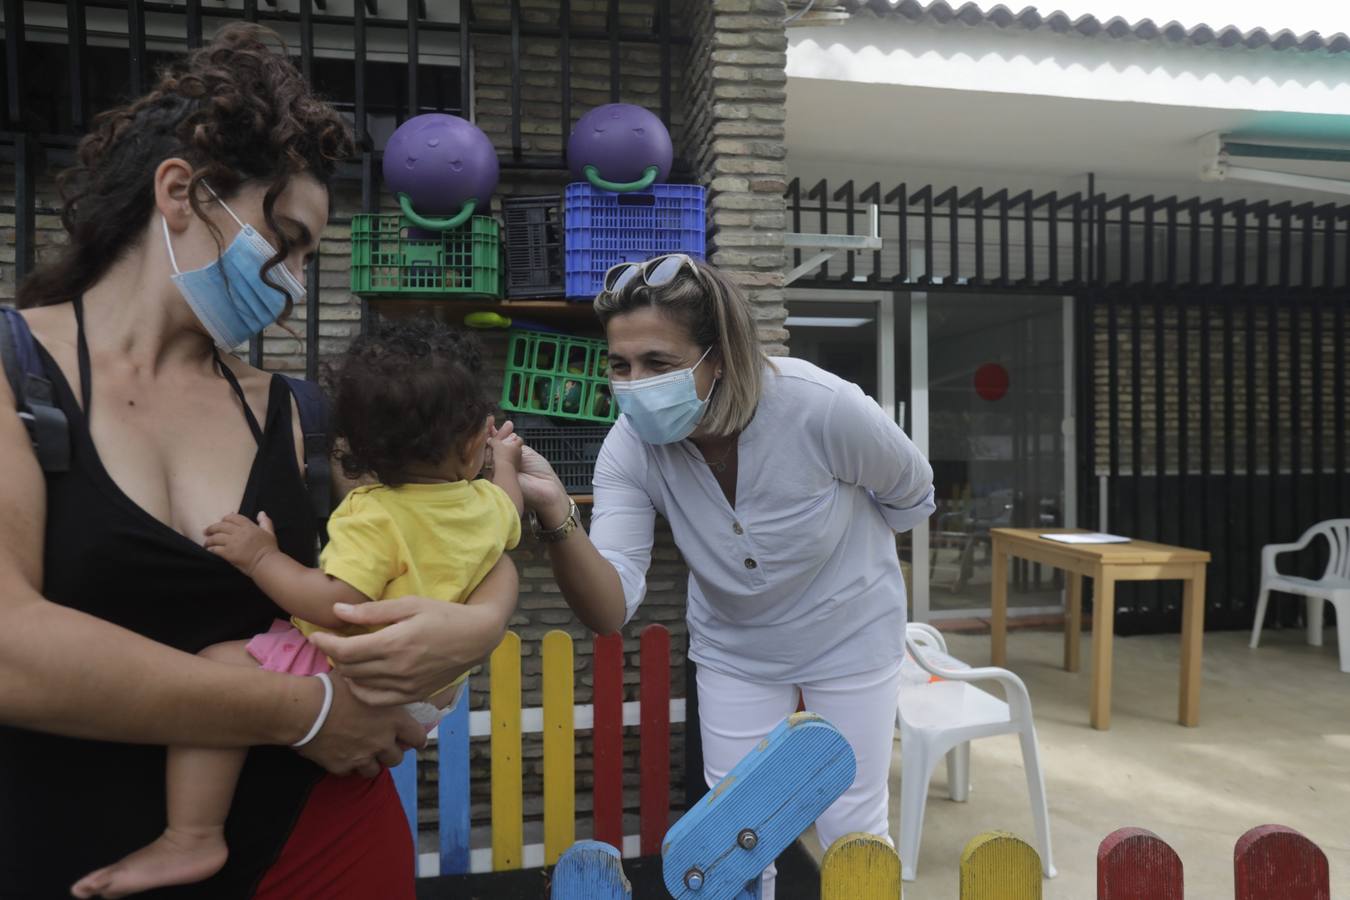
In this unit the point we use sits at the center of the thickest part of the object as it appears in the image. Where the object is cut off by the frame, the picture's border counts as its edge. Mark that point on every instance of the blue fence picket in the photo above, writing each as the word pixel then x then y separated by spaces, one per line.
pixel 405 780
pixel 453 738
pixel 590 870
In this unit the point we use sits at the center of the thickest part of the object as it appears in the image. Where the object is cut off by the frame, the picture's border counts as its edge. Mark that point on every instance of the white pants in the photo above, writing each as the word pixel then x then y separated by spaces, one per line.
pixel 734 715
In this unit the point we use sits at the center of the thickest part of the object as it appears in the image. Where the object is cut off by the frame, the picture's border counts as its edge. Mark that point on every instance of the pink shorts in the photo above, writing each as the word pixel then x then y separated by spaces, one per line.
pixel 284 649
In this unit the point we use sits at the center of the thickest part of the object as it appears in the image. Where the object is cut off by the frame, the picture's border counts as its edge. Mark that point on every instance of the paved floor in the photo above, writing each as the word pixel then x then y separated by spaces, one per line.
pixel 1273 746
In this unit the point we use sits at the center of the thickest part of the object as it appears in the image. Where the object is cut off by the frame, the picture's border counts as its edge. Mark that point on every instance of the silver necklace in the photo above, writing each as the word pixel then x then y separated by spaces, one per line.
pixel 720 465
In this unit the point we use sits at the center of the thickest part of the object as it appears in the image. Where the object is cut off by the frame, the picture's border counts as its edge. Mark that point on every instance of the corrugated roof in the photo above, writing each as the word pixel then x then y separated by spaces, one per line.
pixel 1031 19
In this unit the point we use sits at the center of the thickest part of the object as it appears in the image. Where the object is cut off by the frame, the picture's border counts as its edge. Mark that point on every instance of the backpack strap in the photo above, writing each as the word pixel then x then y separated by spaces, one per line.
pixel 313 406
pixel 34 399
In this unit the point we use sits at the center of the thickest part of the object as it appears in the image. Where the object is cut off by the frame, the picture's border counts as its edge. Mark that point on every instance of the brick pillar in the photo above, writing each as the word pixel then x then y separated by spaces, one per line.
pixel 737 108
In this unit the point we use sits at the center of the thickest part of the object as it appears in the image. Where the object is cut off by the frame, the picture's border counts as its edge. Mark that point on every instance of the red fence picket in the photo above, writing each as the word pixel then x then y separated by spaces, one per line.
pixel 1272 862
pixel 654 734
pixel 1136 864
pixel 608 735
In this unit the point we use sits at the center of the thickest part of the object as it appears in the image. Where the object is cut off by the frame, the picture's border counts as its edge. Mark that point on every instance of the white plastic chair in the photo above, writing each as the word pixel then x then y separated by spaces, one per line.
pixel 1333 587
pixel 941 718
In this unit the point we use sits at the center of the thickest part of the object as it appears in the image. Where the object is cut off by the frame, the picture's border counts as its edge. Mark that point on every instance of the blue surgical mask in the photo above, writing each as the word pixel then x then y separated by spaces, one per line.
pixel 229 296
pixel 665 408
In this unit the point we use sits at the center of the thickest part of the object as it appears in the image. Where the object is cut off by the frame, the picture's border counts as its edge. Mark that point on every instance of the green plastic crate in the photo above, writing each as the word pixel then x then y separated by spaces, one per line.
pixel 387 261
pixel 558 375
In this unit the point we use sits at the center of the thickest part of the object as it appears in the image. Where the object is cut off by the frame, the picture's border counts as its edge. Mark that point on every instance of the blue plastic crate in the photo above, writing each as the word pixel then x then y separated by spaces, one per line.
pixel 603 229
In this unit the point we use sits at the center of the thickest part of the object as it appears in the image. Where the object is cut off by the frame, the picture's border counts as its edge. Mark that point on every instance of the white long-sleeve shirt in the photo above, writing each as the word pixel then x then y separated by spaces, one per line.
pixel 800 580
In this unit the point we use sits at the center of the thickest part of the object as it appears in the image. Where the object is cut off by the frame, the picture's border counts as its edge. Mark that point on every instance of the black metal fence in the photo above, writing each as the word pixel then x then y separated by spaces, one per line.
pixel 1210 340
pixel 53 88
pixel 1061 243
pixel 1218 422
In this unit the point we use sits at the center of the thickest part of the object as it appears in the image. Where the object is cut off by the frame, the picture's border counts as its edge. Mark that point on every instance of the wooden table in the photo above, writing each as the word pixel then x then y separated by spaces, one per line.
pixel 1106 564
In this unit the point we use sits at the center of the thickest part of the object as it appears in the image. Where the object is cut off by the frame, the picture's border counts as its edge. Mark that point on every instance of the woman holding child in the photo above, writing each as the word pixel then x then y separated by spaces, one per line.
pixel 145 602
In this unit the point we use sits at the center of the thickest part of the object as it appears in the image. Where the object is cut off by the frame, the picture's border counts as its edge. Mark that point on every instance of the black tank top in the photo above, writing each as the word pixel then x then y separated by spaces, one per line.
pixel 69 806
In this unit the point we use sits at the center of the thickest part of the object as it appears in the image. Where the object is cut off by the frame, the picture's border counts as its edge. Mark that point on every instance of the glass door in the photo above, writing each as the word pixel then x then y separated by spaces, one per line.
pixel 983 384
pixel 838 336
pixel 999 438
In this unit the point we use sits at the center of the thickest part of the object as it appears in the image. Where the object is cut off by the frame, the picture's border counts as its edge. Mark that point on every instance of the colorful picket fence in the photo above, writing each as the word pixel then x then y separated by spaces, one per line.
pixel 717 849
pixel 559 720
pixel 1270 862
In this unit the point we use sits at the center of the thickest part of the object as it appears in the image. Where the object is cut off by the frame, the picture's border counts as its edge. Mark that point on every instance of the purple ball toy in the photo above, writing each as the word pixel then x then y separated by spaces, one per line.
pixel 439 163
pixel 615 146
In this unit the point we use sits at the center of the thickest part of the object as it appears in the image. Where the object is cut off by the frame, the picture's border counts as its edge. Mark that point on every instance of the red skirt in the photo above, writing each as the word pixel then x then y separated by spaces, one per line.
pixel 351 842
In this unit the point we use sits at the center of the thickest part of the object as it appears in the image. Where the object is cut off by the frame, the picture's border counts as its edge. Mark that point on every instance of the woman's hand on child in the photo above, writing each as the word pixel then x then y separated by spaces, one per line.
pixel 360 738
pixel 543 491
pixel 426 645
pixel 242 543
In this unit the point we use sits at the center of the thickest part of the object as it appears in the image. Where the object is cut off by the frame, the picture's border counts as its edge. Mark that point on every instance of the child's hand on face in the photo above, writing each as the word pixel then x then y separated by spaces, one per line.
pixel 242 543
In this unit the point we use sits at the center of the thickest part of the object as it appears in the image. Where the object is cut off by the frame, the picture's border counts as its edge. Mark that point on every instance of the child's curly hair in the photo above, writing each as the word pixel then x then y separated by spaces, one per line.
pixel 237 110
pixel 410 393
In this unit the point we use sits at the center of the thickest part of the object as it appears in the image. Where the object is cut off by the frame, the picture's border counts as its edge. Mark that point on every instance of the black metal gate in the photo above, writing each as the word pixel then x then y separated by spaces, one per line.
pixel 1211 354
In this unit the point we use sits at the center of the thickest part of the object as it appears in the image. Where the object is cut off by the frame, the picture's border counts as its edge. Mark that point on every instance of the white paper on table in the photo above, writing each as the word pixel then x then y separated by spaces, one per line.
pixel 1095 537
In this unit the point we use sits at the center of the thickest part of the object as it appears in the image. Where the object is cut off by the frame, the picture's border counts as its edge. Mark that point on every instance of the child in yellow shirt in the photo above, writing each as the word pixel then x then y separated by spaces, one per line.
pixel 412 415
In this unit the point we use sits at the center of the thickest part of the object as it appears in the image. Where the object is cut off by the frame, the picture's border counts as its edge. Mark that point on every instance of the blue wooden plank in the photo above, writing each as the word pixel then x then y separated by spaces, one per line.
pixel 752 815
pixel 590 870
pixel 453 750
pixel 405 780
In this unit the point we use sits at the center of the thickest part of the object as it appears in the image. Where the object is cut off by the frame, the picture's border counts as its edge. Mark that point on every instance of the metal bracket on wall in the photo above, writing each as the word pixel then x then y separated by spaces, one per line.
pixel 828 245
pixel 1217 153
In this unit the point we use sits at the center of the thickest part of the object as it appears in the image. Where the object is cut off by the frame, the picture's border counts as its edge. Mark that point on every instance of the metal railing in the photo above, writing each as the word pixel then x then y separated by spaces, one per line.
pixel 33 152
pixel 1058 242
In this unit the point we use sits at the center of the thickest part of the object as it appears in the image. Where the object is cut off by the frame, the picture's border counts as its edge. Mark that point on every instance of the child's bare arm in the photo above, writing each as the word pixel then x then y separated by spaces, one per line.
pixel 504 477
pixel 298 589
pixel 304 592
pixel 506 467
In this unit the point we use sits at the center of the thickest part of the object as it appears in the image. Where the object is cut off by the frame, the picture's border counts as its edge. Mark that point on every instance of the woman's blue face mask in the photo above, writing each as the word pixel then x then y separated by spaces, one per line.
pixel 229 296
pixel 665 408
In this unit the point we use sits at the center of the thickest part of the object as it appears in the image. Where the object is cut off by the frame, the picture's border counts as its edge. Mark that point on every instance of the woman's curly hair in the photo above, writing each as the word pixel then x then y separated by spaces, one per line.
pixel 237 110
pixel 409 394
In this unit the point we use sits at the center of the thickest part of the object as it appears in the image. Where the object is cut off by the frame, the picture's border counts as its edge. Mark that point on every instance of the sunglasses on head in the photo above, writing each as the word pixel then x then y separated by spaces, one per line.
pixel 654 272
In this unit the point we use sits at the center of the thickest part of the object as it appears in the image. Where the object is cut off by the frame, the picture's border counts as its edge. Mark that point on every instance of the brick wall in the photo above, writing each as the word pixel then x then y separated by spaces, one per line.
pixel 47 222
pixel 737 88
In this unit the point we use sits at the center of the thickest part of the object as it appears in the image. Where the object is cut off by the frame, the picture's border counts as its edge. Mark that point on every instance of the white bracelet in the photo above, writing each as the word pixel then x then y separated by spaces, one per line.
pixel 323 710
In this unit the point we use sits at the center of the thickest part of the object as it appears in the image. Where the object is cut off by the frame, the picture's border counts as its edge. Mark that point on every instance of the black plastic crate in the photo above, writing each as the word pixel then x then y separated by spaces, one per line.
pixel 571 449
pixel 534 246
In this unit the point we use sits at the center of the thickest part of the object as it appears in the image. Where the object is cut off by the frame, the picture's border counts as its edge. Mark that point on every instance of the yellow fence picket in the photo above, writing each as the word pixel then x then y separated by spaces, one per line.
pixel 860 866
pixel 998 866
pixel 559 747
pixel 504 698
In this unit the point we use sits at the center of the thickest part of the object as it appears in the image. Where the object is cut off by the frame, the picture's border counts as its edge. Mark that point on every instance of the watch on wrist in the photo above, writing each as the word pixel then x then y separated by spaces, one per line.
pixel 554 535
